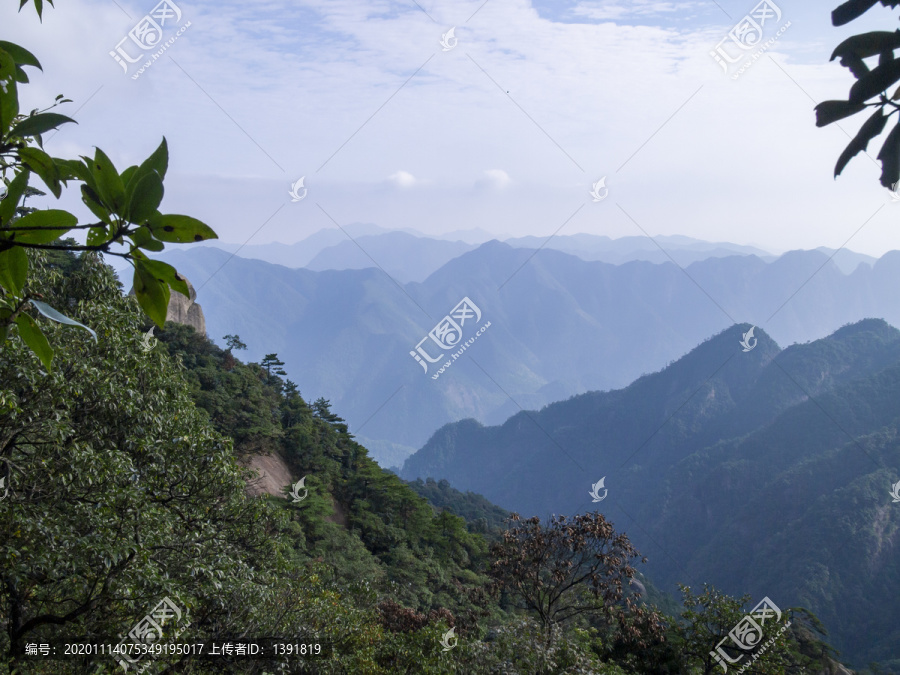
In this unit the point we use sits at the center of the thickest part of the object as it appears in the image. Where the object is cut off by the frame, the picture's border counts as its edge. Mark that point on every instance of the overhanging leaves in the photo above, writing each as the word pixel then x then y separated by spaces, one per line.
pixel 179 229
pixel 867 44
pixel 109 183
pixel 168 274
pixel 32 336
pixel 20 55
pixel 13 270
pixel 92 200
pixel 875 82
pixel 142 238
pixel 851 10
pixel 41 227
pixel 872 127
pixel 890 158
pixel 39 124
pixel 855 65
pixel 13 195
pixel 9 95
pixel 70 169
pixel 144 198
pixel 43 165
pixel 7 66
pixel 832 111
pixel 152 292
pixel 159 160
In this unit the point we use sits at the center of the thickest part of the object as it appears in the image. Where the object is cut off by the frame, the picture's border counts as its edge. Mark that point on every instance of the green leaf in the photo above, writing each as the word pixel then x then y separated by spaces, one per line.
pixel 92 201
pixel 890 158
pixel 159 160
pixel 109 183
pixel 832 111
pixel 875 82
pixel 145 198
pixel 21 75
pixel 20 55
pixel 72 169
pixel 97 236
pixel 51 218
pixel 38 6
pixel 179 229
pixel 13 196
pixel 51 313
pixel 156 163
pixel 850 10
pixel 43 165
pixel 7 66
pixel 13 269
pixel 152 292
pixel 869 130
pixel 32 336
pixel 126 177
pixel 142 238
pixel 39 124
pixel 168 274
pixel 9 93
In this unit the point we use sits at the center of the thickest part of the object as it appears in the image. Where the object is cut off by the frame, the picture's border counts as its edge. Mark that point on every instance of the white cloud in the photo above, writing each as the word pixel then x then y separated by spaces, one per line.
pixel 607 10
pixel 403 179
pixel 496 179
pixel 345 92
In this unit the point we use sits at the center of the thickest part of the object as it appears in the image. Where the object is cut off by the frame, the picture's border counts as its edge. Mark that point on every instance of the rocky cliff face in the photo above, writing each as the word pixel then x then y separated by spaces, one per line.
pixel 185 310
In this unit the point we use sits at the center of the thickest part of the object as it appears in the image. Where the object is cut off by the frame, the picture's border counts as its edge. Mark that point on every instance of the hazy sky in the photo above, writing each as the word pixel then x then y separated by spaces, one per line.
pixel 505 131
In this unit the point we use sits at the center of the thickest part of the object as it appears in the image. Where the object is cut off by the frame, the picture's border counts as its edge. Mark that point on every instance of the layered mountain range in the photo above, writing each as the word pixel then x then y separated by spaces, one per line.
pixel 559 325
pixel 766 471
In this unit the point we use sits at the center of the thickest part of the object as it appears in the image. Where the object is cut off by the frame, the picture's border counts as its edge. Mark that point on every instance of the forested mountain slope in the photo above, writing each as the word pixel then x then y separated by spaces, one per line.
pixel 767 471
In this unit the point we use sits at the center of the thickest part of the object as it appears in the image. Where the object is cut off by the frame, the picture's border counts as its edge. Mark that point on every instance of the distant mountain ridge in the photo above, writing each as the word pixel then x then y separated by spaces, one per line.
pixel 403 256
pixel 559 325
pixel 766 472
pixel 408 255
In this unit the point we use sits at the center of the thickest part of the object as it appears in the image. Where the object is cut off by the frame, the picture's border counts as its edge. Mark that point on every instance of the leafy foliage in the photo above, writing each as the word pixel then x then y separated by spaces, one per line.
pixel 871 82
pixel 567 569
pixel 480 515
pixel 125 204
pixel 234 342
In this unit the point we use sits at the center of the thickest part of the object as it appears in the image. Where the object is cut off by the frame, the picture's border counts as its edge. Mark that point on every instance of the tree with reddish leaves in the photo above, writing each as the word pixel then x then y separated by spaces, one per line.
pixel 570 568
pixel 399 619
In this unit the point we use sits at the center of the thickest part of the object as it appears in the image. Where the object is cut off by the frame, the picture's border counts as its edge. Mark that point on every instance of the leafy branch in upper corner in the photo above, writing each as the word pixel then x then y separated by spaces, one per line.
pixel 870 83
pixel 125 204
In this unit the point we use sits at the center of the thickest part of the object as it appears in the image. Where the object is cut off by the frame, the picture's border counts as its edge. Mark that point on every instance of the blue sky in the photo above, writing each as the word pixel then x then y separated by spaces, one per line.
pixel 506 131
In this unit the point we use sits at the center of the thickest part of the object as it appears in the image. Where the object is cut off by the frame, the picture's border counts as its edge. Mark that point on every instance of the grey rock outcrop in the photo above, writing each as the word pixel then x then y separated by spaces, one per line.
pixel 185 310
